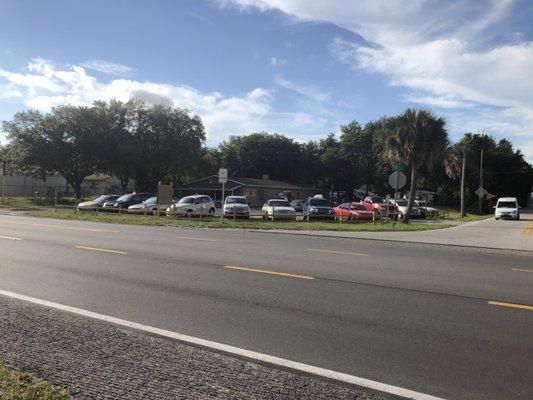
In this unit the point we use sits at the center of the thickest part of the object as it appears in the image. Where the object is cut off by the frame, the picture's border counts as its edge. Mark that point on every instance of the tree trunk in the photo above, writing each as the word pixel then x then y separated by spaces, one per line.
pixel 124 183
pixel 463 188
pixel 77 190
pixel 412 194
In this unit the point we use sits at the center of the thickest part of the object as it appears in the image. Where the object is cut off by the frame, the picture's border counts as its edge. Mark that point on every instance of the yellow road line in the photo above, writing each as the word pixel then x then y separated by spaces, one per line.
pixel 59 227
pixel 528 229
pixel 102 250
pixel 511 305
pixel 337 252
pixel 195 238
pixel 263 271
pixel 522 270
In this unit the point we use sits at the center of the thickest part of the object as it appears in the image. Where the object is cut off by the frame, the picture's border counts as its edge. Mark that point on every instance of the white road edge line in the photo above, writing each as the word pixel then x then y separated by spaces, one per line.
pixel 9 238
pixel 276 361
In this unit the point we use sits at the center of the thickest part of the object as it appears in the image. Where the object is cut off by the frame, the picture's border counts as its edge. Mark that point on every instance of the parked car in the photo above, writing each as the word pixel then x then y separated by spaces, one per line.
pixel 430 211
pixel 278 209
pixel 353 212
pixel 96 202
pixel 380 205
pixel 507 207
pixel 193 205
pixel 126 200
pixel 416 211
pixel 150 205
pixel 318 207
pixel 236 206
pixel 298 205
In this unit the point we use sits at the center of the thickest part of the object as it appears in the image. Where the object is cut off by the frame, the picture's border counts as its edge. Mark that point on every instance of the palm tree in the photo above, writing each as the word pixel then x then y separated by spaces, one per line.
pixel 416 138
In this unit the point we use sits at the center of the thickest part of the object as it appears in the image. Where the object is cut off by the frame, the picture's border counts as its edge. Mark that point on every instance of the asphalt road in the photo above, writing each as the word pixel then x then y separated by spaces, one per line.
pixel 413 315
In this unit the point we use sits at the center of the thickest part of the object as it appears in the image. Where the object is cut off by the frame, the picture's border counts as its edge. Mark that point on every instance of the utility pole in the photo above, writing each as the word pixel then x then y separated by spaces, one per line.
pixel 463 187
pixel 480 203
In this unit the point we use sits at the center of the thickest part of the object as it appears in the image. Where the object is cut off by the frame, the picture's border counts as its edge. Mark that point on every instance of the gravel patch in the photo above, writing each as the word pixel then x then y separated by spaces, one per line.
pixel 96 360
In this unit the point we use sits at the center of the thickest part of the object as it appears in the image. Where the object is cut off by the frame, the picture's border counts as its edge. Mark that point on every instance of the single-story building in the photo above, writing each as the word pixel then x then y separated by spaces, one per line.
pixel 256 191
pixel 19 185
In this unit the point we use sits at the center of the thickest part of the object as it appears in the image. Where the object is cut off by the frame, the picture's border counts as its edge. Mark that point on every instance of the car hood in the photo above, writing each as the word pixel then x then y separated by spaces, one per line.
pixel 87 203
pixel 322 207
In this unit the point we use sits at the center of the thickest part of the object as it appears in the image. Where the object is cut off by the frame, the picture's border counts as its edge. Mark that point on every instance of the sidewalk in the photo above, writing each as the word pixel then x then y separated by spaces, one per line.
pixel 488 233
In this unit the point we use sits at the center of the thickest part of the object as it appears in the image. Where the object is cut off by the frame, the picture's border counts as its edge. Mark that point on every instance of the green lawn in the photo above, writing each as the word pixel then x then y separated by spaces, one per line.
pixel 31 202
pixel 239 224
pixel 16 385
pixel 455 215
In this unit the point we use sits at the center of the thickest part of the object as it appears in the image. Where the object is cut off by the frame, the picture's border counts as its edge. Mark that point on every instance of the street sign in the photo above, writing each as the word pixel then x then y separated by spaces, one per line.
pixel 481 192
pixel 398 167
pixel 222 175
pixel 397 180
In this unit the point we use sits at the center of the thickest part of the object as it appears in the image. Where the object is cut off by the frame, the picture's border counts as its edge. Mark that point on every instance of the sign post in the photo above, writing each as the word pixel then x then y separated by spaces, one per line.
pixel 222 178
pixel 397 181
pixel 3 174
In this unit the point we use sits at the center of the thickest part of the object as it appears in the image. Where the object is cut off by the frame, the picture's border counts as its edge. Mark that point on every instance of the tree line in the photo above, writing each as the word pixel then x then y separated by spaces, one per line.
pixel 148 144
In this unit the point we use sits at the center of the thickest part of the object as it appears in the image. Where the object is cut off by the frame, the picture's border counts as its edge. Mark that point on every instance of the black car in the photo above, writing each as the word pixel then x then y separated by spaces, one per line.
pixel 318 208
pixel 298 205
pixel 126 200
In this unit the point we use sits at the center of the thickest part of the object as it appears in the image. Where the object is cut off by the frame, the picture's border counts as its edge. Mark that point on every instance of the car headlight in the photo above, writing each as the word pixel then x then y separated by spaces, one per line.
pixel 312 209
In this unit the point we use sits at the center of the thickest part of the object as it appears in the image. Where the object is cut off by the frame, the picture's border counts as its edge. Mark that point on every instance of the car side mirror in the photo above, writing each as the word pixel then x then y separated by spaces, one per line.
pixel 493 206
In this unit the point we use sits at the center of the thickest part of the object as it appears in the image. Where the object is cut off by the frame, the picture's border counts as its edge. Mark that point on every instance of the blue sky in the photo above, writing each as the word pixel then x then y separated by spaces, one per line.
pixel 296 67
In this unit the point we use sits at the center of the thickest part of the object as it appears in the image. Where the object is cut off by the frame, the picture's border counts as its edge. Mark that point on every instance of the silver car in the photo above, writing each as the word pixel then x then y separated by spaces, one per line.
pixel 236 206
pixel 193 205
pixel 278 209
pixel 150 206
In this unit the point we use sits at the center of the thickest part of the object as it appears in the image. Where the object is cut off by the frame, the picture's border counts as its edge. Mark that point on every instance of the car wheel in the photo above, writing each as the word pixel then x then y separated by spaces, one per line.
pixel 188 214
pixel 212 211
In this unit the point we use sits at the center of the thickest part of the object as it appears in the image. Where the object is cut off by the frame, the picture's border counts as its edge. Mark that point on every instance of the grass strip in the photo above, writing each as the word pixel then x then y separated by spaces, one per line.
pixel 230 224
pixel 15 385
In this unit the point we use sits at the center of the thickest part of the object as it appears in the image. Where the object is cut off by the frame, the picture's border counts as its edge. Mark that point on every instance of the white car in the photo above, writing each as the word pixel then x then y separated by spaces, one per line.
pixel 401 205
pixel 507 207
pixel 150 205
pixel 193 205
pixel 278 209
pixel 430 211
pixel 236 206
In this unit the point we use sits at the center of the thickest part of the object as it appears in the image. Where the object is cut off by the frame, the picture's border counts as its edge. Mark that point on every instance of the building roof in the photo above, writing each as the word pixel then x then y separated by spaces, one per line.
pixel 211 183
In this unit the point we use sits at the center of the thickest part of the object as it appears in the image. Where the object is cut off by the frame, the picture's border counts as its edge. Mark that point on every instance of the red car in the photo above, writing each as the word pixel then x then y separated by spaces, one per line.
pixel 352 212
pixel 379 204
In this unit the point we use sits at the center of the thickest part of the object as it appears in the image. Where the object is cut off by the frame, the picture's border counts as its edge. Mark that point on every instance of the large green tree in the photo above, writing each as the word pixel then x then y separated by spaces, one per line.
pixel 416 138
pixel 261 153
pixel 67 141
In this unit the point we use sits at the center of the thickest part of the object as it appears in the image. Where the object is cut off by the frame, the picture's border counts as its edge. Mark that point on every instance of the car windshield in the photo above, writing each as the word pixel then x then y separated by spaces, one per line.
pixel 357 207
pixel 319 203
pixel 421 203
pixel 507 204
pixel 279 203
pixel 186 200
pixel 236 200
pixel 126 197
pixel 378 200
pixel 100 198
pixel 401 203
pixel 151 200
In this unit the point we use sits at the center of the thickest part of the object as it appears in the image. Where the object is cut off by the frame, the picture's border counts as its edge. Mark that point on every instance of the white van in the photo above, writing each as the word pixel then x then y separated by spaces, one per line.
pixel 507 207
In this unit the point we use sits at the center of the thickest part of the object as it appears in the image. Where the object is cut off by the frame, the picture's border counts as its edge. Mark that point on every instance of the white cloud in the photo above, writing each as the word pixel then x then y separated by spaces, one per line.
pixel 452 54
pixel 277 62
pixel 43 86
pixel 107 67
pixel 306 90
